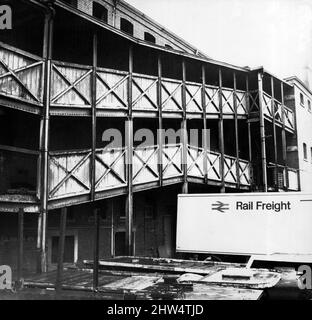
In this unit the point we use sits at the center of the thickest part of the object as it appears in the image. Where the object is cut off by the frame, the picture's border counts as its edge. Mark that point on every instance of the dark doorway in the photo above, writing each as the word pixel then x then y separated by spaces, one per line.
pixel 69 249
pixel 120 243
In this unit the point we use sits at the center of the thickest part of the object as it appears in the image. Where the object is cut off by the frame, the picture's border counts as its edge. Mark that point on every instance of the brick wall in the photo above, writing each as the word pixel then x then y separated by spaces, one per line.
pixel 85 6
pixel 154 226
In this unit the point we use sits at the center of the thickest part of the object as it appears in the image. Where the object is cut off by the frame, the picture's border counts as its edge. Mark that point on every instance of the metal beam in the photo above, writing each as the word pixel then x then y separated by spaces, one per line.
pixel 160 121
pixel 284 140
pixel 221 133
pixel 129 148
pixel 262 134
pixel 44 144
pixel 249 132
pixel 274 134
pixel 236 131
pixel 205 133
pixel 93 117
pixel 184 130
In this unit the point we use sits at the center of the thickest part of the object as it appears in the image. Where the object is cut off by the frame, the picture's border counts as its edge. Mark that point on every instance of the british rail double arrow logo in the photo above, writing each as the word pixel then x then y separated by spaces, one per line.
pixel 220 206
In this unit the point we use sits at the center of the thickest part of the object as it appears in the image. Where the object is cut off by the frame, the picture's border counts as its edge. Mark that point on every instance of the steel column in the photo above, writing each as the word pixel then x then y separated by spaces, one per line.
pixel 236 131
pixel 205 133
pixel 184 130
pixel 284 140
pixel 160 122
pixel 93 117
pixel 249 132
pixel 129 147
pixel 44 144
pixel 221 133
pixel 262 134
pixel 274 134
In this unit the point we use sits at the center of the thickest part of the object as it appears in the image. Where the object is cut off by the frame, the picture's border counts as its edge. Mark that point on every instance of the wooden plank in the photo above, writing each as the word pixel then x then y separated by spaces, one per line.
pixel 163 268
pixel 204 292
pixel 133 283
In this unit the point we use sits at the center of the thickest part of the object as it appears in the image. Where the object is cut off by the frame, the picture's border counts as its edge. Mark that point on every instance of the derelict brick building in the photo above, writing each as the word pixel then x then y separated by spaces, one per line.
pixel 69 70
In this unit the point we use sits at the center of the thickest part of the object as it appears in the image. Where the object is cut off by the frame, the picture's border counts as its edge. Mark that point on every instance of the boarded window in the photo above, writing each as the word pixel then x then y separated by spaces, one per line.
pixel 100 12
pixel 149 37
pixel 126 26
pixel 301 99
pixel 305 152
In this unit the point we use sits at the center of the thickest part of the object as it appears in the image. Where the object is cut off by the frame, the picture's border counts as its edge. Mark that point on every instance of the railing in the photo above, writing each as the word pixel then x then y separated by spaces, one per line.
pixel 244 172
pixel 172 161
pixel 253 101
pixel 230 167
pixel 242 105
pixel 69 173
pixel 293 182
pixel 279 176
pixel 195 162
pixel 196 159
pixel 171 92
pixel 144 93
pixel 289 117
pixel 18 170
pixel 193 97
pixel 70 85
pixel 145 164
pixel 212 99
pixel 228 101
pixel 21 75
pixel 214 165
pixel 110 169
pixel 111 89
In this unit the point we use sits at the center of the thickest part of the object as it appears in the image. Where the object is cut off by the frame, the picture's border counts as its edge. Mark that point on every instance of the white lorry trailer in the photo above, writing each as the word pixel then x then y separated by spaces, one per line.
pixel 264 226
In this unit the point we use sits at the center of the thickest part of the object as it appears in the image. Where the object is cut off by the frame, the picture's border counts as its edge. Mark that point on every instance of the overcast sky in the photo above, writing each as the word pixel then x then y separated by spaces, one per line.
pixel 276 34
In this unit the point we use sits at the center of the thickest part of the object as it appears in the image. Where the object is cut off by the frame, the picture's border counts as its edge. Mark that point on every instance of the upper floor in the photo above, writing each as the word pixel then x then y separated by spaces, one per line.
pixel 124 17
pixel 302 100
pixel 114 77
